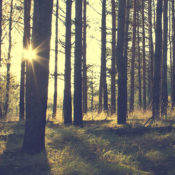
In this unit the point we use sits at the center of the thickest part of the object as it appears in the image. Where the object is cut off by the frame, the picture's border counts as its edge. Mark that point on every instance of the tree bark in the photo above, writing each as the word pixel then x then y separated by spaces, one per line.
pixel 85 104
pixel 139 62
pixel 121 64
pixel 164 96
pixel 37 79
pixel 113 60
pixel 151 52
pixel 26 43
pixel 173 39
pixel 0 31
pixel 78 64
pixel 67 102
pixel 157 63
pixel 144 59
pixel 56 64
pixel 103 84
pixel 6 104
pixel 132 83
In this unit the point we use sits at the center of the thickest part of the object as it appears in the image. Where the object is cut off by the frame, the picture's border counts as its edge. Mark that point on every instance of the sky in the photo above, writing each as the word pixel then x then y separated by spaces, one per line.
pixel 93 41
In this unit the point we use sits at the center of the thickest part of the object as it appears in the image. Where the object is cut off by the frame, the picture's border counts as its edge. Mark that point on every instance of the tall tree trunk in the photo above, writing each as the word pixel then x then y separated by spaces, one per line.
pixel 0 31
pixel 67 102
pixel 139 62
pixel 133 61
pixel 26 43
pixel 157 63
pixel 103 84
pixel 164 96
pixel 0 45
pixel 84 60
pixel 56 64
pixel 144 59
pixel 6 104
pixel 125 48
pixel 78 64
pixel 37 79
pixel 113 61
pixel 173 39
pixel 121 64
pixel 151 51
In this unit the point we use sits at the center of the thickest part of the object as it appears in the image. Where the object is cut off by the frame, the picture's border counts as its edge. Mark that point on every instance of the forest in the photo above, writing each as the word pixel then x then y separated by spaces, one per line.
pixel 87 87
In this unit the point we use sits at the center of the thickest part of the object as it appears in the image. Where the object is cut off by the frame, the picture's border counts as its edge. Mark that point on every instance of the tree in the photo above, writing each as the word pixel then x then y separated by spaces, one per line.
pixel 113 60
pixel 157 63
pixel 173 38
pixel 103 84
pixel 144 59
pixel 37 79
pixel 56 63
pixel 26 43
pixel 133 61
pixel 139 61
pixel 122 66
pixel 0 31
pixel 164 96
pixel 151 51
pixel 6 104
pixel 78 65
pixel 84 59
pixel 67 102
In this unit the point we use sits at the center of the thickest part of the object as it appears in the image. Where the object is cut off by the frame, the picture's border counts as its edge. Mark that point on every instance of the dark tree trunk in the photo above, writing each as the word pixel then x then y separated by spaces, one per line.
pixel 26 43
pixel 103 84
pixel 56 63
pixel 132 84
pixel 164 101
pixel 113 61
pixel 0 44
pixel 139 62
pixel 37 79
pixel 144 59
pixel 84 60
pixel 151 51
pixel 173 39
pixel 0 31
pixel 6 104
pixel 78 64
pixel 126 40
pixel 121 64
pixel 157 63
pixel 67 102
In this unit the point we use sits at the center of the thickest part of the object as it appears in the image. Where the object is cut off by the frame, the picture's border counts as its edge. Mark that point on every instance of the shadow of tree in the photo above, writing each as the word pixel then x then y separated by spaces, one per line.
pixel 13 161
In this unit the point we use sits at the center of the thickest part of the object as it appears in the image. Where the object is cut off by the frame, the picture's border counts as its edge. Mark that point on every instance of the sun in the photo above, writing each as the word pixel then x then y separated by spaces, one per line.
pixel 29 54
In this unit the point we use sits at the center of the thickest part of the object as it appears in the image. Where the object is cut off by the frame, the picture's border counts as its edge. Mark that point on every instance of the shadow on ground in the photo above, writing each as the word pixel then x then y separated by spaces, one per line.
pixel 12 160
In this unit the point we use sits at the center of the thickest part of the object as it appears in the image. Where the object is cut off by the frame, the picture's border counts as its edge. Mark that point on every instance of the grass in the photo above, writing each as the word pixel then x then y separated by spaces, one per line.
pixel 101 147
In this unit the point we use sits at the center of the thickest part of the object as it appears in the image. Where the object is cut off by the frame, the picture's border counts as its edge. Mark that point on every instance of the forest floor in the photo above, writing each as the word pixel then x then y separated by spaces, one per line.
pixel 101 147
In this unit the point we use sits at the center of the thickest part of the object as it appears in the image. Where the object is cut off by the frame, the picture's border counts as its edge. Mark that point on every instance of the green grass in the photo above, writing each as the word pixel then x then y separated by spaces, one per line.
pixel 101 147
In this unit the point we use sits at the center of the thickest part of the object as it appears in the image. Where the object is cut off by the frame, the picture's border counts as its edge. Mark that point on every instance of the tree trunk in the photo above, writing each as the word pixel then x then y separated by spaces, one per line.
pixel 173 39
pixel 122 67
pixel 164 101
pixel 144 59
pixel 77 66
pixel 103 84
pixel 132 84
pixel 26 43
pixel 139 62
pixel 37 79
pixel 6 104
pixel 67 102
pixel 0 32
pixel 113 61
pixel 56 63
pixel 157 63
pixel 151 51
pixel 84 60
